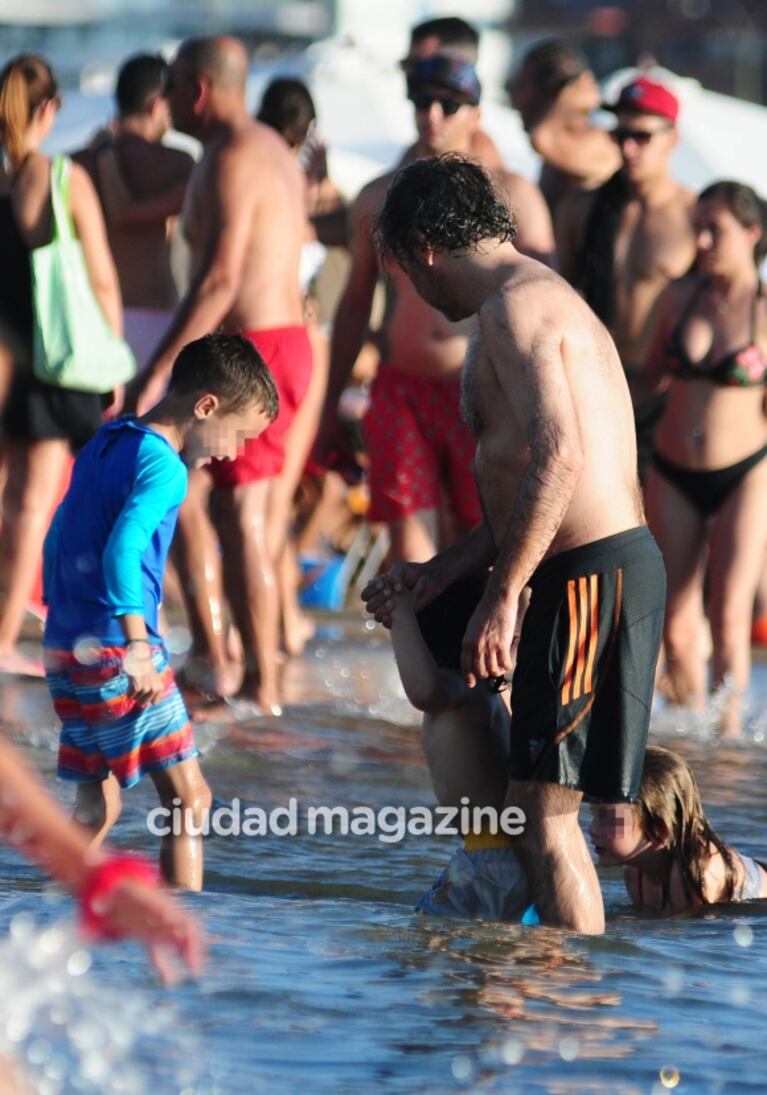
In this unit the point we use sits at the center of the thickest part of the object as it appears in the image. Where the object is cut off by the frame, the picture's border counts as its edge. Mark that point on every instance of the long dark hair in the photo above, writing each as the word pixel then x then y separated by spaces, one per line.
pixel 670 810
pixel 595 277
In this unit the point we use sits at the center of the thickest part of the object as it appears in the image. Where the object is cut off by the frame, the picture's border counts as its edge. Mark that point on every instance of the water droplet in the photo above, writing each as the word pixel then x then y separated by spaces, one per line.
pixel 78 963
pixel 744 935
pixel 38 1051
pixel 462 1067
pixel 673 980
pixel 87 650
pixel 370 625
pixel 669 1076
pixel 568 1049
pixel 512 1051
pixel 22 926
pixel 178 640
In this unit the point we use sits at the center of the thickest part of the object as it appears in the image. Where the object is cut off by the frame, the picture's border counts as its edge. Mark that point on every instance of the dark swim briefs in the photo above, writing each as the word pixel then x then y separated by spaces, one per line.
pixel 583 683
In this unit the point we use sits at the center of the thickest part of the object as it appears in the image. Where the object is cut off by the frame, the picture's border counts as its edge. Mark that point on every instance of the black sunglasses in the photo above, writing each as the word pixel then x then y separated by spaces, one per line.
pixel 641 137
pixel 422 100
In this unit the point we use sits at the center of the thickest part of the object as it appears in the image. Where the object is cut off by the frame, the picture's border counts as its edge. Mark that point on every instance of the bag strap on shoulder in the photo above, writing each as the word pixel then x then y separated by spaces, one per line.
pixel 63 228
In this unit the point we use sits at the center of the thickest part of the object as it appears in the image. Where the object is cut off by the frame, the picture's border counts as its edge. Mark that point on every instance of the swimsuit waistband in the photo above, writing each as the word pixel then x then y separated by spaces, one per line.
pixel 585 558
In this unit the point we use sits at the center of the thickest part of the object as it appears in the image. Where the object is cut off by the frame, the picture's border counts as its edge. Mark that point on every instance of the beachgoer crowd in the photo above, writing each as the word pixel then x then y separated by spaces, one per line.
pixel 550 360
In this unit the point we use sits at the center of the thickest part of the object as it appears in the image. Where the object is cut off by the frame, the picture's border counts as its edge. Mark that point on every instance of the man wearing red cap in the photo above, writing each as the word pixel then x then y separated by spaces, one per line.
pixel 621 244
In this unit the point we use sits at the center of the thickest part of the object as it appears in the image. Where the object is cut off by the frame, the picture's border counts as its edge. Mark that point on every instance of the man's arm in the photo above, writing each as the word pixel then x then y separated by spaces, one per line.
pixel 353 312
pixel 537 388
pixel 535 232
pixel 120 205
pixel 471 555
pixel 231 199
pixel 159 485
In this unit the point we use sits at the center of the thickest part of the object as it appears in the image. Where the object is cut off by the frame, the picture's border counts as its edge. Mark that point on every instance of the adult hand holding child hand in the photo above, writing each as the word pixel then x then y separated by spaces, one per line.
pixel 380 592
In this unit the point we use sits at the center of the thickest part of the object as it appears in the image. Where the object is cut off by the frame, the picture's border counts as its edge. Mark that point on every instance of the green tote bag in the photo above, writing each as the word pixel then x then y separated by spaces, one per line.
pixel 73 345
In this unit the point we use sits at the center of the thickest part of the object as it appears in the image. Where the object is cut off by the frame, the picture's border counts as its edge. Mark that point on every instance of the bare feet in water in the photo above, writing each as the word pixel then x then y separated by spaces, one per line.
pixel 208 681
pixel 298 629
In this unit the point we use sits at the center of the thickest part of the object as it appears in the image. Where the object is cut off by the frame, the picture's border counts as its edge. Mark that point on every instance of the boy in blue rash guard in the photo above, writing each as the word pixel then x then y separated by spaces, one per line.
pixel 107 668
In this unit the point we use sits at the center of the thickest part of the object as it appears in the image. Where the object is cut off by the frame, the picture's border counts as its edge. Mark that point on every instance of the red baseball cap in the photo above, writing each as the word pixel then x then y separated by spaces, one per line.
pixel 643 96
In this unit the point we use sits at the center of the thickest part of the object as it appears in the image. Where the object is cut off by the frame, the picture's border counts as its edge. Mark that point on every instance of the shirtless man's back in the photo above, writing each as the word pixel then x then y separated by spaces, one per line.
pixel 556 471
pixel 621 244
pixel 245 219
pixel 417 444
pixel 141 185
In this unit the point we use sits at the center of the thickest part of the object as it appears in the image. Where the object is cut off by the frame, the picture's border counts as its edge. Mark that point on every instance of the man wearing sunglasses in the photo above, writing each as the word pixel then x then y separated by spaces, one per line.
pixel 621 244
pixel 420 450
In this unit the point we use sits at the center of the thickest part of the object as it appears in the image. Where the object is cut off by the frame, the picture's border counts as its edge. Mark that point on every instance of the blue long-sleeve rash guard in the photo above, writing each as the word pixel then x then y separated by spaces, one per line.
pixel 106 550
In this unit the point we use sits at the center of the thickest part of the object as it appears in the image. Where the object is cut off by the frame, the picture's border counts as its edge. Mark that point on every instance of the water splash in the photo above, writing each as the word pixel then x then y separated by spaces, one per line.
pixel 64 1030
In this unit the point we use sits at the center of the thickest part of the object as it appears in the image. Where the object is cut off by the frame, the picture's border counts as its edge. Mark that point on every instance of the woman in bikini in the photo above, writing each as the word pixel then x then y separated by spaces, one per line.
pixel 708 479
pixel 672 859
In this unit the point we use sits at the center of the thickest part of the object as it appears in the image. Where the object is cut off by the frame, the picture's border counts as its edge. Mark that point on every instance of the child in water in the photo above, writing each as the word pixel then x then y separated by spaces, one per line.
pixel 672 858
pixel 107 666
pixel 466 741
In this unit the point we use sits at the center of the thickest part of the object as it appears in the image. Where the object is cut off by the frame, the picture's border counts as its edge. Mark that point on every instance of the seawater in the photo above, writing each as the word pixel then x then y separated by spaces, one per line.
pixel 321 978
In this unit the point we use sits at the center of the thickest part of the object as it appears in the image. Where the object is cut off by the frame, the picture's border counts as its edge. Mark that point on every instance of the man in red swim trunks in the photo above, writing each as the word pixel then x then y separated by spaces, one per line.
pixel 420 450
pixel 244 217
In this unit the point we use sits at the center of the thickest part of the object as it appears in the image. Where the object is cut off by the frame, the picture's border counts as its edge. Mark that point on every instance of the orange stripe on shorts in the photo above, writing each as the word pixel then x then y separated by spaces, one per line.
pixel 583 620
pixel 572 635
pixel 588 683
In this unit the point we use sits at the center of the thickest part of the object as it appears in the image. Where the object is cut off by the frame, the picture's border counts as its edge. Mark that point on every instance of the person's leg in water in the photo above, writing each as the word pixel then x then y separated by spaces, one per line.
pixel 198 560
pixel 681 535
pixel 97 807
pixel 562 877
pixel 182 787
pixel 240 514
pixel 738 542
pixel 32 486
pixel 296 627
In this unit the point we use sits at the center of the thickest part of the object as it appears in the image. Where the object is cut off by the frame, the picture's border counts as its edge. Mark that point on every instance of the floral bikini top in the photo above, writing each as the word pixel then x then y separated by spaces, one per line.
pixel 743 368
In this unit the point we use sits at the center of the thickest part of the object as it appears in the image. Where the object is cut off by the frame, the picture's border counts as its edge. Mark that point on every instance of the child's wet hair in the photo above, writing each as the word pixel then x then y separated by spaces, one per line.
pixel 670 811
pixel 443 623
pixel 227 366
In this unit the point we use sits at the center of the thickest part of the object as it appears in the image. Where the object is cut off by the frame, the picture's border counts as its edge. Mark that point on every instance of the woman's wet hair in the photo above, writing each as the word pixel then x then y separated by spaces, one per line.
pixel 445 202
pixel 595 273
pixel 288 107
pixel 746 207
pixel 444 621
pixel 230 367
pixel 670 811
pixel 26 82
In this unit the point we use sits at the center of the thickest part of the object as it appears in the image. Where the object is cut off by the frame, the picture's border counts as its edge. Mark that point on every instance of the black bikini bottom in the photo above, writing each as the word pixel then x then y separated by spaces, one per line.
pixel 707 491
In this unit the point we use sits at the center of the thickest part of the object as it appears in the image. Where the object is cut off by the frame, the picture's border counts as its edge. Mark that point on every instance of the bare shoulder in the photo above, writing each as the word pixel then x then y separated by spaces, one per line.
pixel 373 194
pixel 517 186
pixel 686 197
pixel 80 181
pixel 529 307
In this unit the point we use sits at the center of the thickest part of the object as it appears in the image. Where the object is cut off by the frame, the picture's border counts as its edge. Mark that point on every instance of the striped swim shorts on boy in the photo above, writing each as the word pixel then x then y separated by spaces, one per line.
pixel 103 730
